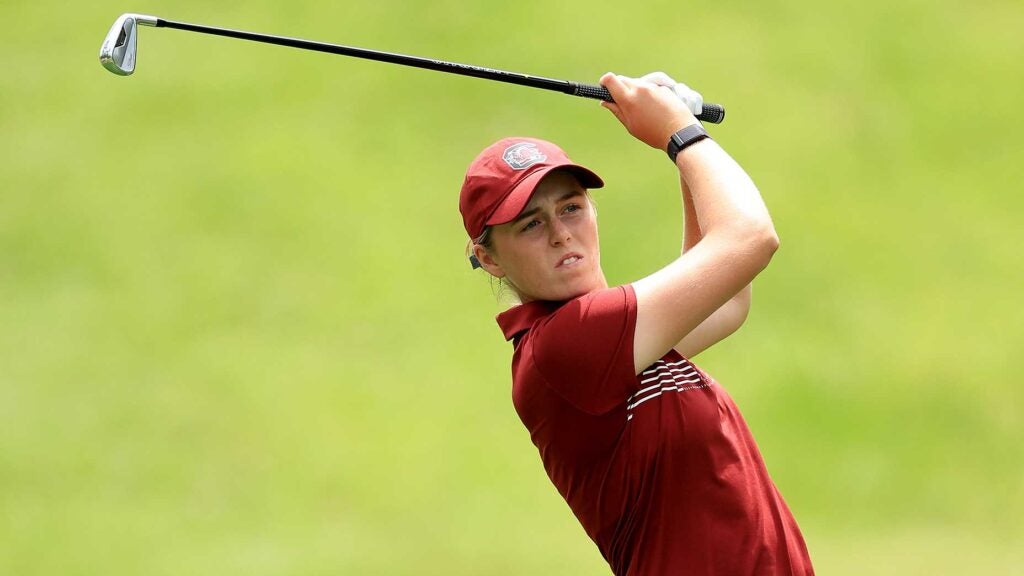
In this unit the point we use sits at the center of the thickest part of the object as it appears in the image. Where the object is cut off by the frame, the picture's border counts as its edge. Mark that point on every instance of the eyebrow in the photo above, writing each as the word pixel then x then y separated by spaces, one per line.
pixel 536 209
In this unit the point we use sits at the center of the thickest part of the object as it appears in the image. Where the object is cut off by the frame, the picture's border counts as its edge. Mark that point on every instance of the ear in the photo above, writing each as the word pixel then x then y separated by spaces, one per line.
pixel 487 261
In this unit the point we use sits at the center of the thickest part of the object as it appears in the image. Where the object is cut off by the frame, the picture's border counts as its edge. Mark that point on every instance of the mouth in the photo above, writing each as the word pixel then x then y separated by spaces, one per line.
pixel 569 260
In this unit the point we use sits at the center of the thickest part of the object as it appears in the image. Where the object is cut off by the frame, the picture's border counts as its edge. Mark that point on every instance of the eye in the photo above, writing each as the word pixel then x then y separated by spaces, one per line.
pixel 572 208
pixel 531 224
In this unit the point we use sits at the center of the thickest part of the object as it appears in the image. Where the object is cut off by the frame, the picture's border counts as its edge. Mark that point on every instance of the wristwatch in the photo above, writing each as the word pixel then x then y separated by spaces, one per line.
pixel 685 137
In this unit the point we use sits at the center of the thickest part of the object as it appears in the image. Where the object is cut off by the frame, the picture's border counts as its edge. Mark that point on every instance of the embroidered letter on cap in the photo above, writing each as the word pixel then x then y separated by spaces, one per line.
pixel 523 155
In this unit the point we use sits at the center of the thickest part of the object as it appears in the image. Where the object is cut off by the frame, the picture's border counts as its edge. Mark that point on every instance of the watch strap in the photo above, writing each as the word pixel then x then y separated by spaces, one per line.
pixel 685 137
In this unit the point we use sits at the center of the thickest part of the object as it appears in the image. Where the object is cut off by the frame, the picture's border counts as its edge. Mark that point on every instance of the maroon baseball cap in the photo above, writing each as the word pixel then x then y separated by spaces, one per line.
pixel 501 179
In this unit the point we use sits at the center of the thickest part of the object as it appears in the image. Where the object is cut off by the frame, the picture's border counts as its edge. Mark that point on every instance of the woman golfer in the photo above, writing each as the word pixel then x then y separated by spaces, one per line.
pixel 650 452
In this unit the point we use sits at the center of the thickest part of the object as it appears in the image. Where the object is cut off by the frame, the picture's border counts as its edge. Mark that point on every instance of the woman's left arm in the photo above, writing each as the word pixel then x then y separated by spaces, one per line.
pixel 726 319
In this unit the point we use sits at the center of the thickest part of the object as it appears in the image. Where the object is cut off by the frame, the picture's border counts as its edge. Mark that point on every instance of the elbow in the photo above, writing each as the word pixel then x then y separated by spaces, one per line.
pixel 760 242
pixel 770 241
pixel 765 244
pixel 740 305
pixel 753 244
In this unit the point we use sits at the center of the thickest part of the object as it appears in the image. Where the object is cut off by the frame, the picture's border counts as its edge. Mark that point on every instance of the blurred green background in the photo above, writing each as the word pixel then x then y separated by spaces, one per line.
pixel 238 334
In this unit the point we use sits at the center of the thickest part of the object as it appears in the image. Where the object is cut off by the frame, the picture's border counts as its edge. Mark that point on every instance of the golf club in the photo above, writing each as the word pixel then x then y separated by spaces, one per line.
pixel 118 54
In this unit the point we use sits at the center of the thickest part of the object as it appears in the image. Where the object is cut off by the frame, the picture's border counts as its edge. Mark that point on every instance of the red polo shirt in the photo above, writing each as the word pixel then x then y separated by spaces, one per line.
pixel 659 468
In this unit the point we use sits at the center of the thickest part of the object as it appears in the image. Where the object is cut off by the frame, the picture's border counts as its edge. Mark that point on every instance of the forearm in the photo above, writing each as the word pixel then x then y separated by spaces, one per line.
pixel 691 228
pixel 732 315
pixel 724 199
pixel 692 234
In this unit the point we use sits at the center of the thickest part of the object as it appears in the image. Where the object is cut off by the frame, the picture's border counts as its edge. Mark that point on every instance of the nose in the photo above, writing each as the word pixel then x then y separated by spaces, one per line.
pixel 559 233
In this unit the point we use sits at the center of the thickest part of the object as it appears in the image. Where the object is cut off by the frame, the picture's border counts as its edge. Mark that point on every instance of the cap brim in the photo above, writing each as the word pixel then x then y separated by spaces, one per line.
pixel 520 196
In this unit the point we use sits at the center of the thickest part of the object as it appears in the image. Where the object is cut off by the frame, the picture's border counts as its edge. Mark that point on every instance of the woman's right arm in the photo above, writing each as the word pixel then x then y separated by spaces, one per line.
pixel 738 236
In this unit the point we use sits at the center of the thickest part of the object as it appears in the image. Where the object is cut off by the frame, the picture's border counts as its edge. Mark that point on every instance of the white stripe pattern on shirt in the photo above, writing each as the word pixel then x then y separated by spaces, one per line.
pixel 664 377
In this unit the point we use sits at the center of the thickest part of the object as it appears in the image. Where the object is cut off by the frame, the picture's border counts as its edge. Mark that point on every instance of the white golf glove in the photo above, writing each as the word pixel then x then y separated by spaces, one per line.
pixel 693 100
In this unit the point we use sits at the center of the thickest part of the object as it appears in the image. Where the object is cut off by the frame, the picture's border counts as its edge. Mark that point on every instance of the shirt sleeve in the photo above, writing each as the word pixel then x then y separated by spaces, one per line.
pixel 584 351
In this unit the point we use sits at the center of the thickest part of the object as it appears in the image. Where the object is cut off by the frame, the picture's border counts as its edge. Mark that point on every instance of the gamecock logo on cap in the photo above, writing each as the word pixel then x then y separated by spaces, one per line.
pixel 523 155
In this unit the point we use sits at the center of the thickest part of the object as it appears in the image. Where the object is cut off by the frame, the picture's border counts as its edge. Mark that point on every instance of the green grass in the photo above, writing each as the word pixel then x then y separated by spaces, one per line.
pixel 238 336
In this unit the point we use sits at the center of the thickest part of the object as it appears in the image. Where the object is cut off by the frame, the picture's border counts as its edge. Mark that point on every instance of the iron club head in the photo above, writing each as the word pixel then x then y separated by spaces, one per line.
pixel 117 53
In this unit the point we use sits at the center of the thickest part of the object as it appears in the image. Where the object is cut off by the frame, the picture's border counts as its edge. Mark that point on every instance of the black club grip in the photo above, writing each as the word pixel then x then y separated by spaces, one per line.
pixel 591 91
pixel 713 113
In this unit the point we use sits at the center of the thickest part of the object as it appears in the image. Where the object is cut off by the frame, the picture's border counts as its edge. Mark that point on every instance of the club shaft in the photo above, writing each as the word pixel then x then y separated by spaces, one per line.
pixel 712 112
pixel 414 61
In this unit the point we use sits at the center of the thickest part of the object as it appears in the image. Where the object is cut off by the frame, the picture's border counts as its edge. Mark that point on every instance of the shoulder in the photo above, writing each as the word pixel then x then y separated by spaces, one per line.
pixel 584 350
pixel 590 319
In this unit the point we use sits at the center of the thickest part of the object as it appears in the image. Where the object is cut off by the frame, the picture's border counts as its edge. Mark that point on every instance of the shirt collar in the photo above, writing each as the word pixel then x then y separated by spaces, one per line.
pixel 519 319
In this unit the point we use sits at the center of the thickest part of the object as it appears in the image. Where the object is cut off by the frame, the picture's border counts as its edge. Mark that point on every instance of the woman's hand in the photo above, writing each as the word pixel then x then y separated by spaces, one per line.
pixel 651 108
pixel 693 100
